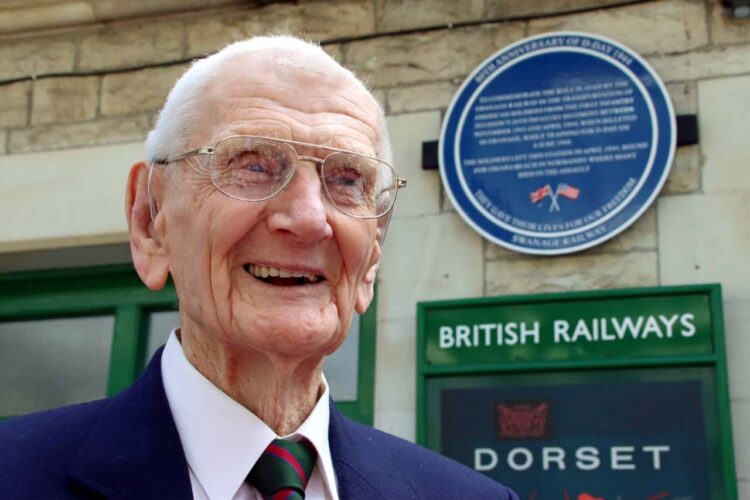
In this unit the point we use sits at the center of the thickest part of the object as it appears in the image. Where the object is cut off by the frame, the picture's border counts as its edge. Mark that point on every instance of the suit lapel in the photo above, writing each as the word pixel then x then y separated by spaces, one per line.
pixel 135 450
pixel 363 470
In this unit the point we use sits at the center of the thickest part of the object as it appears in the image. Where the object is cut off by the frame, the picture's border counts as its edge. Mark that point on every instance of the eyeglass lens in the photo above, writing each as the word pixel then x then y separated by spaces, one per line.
pixel 255 169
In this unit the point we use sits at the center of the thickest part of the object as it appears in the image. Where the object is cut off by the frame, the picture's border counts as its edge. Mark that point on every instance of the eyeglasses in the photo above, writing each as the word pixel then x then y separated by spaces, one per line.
pixel 256 168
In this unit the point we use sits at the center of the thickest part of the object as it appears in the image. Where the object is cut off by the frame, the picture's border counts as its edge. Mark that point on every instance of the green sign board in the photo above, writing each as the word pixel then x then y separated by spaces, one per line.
pixel 584 329
pixel 613 394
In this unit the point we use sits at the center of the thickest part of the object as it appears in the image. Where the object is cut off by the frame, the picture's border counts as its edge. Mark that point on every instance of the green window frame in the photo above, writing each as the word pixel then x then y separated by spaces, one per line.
pixel 117 290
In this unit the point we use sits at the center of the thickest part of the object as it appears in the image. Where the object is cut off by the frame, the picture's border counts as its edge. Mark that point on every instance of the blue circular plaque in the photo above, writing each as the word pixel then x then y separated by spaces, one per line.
pixel 557 143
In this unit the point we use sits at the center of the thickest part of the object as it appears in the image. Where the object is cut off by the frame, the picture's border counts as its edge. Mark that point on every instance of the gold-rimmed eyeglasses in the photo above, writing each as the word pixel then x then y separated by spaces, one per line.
pixel 256 168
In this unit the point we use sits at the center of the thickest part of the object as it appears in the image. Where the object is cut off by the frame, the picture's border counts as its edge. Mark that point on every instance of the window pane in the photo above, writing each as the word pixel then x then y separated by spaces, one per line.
pixel 160 325
pixel 341 367
pixel 53 362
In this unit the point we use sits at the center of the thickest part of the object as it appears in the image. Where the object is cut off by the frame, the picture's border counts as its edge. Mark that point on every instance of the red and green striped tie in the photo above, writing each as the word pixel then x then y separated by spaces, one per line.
pixel 284 469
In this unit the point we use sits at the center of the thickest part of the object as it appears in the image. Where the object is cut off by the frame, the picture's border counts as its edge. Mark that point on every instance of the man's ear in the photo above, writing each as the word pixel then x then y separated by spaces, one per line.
pixel 149 253
pixel 366 287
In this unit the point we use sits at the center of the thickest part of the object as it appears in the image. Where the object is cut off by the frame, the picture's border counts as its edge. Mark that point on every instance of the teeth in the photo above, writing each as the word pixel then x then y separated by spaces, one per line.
pixel 265 272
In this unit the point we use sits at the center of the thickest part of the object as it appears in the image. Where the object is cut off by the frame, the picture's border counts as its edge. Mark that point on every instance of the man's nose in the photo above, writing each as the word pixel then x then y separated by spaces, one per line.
pixel 301 209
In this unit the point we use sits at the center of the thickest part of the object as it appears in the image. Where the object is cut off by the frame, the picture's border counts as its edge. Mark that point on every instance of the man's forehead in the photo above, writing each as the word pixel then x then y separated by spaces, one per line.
pixel 292 103
pixel 327 137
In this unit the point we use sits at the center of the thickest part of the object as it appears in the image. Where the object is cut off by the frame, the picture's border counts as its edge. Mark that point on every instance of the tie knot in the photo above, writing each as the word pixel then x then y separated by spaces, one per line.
pixel 284 469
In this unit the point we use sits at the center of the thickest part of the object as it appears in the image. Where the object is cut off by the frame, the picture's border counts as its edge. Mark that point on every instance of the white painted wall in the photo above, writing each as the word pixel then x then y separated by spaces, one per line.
pixel 65 198
pixel 428 255
pixel 705 238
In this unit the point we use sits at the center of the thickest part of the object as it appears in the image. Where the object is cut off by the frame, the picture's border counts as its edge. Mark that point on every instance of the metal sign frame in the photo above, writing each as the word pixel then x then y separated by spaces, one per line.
pixel 719 440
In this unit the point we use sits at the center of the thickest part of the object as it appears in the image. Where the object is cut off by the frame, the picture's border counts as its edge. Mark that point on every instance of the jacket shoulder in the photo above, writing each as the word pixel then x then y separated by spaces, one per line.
pixel 40 447
pixel 427 471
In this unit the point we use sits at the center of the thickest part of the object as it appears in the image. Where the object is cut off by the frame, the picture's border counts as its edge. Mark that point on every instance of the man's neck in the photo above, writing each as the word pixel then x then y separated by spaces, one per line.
pixel 280 390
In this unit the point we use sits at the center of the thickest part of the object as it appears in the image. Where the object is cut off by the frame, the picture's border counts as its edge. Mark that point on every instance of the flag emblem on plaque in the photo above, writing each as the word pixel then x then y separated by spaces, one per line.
pixel 568 191
pixel 540 194
pixel 564 190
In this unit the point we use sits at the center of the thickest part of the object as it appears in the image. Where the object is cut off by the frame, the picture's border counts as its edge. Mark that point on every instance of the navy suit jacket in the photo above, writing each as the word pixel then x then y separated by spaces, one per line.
pixel 128 447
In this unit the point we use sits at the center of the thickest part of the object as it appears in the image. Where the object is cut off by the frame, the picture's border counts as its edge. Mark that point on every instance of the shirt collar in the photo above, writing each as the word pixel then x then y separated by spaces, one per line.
pixel 221 438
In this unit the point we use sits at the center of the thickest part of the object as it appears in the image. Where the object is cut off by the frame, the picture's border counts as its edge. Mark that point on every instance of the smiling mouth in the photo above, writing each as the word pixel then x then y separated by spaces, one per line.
pixel 281 277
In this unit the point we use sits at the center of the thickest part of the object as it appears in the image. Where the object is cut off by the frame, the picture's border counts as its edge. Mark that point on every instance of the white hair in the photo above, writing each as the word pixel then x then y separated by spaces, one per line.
pixel 181 114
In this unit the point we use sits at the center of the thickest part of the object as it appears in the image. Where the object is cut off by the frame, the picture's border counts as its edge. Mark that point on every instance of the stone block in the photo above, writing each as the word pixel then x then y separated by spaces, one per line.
pixel 577 272
pixel 428 56
pixel 493 251
pixel 421 97
pixel 396 15
pixel 397 422
pixel 138 91
pixel 36 16
pixel 704 238
pixel 736 319
pixel 14 104
pixel 725 29
pixel 379 95
pixel 330 20
pixel 505 9
pixel 82 192
pixel 446 204
pixel 685 175
pixel 314 20
pixel 206 35
pixel 106 10
pixel 395 378
pixel 648 28
pixel 641 235
pixel 335 50
pixel 131 45
pixel 36 57
pixel 422 193
pixel 712 62
pixel 428 258
pixel 741 437
pixel 65 99
pixel 684 97
pixel 723 124
pixel 50 137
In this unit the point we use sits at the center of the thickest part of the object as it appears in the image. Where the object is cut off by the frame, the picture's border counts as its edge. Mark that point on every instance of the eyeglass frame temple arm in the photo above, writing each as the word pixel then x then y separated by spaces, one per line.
pixel 205 150
pixel 400 182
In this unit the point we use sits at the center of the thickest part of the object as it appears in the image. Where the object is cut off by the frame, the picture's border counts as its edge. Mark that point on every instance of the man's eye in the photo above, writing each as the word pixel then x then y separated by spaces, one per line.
pixel 346 179
pixel 257 162
pixel 341 178
pixel 255 167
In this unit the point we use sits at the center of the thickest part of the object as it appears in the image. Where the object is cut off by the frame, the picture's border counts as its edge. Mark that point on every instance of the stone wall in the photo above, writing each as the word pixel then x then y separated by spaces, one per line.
pixel 90 85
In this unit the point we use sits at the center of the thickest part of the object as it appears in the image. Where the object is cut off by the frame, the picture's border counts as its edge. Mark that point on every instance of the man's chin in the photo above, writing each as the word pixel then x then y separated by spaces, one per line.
pixel 295 331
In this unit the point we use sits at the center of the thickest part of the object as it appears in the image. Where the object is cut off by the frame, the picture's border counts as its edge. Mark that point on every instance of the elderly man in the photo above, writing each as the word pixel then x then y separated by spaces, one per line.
pixel 266 196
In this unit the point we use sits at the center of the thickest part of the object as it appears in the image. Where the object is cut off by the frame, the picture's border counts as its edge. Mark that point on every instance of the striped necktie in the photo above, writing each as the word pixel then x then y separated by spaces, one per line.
pixel 284 469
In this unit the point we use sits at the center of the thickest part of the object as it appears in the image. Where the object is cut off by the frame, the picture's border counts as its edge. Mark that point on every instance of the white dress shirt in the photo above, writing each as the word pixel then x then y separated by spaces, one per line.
pixel 222 439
